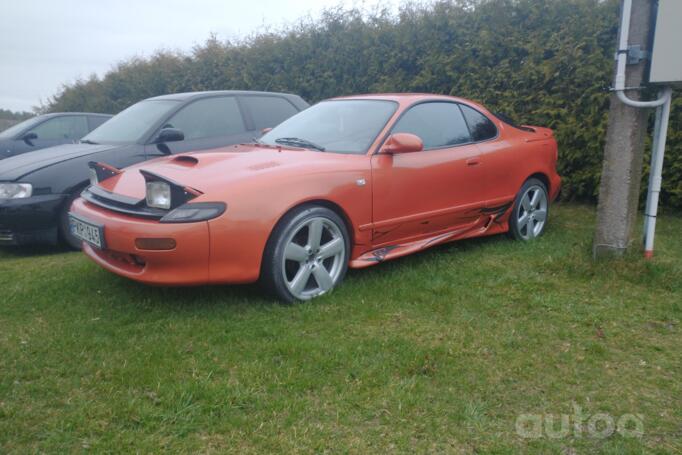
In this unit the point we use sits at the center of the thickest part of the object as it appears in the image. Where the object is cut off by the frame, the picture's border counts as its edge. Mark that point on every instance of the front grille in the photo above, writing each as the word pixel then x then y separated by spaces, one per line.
pixel 6 236
pixel 121 204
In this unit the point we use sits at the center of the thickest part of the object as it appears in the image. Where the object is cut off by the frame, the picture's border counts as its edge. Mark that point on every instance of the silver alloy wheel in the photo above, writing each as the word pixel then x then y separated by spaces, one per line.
pixel 531 214
pixel 313 257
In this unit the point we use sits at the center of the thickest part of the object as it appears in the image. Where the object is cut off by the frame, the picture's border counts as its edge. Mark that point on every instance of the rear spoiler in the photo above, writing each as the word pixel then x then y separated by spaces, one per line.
pixel 506 119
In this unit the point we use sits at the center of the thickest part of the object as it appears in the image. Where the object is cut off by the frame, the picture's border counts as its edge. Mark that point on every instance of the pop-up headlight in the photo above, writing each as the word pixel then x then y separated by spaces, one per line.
pixel 158 195
pixel 163 193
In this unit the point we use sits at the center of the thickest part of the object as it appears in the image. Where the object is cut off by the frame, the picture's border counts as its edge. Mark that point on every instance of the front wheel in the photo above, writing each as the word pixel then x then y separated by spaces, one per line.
pixel 531 211
pixel 307 254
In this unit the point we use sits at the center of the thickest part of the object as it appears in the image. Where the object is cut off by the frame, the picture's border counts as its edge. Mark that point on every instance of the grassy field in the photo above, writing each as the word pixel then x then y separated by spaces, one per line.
pixel 440 352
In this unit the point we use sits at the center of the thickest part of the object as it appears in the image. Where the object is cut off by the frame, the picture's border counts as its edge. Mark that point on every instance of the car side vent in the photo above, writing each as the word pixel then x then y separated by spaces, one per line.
pixel 185 160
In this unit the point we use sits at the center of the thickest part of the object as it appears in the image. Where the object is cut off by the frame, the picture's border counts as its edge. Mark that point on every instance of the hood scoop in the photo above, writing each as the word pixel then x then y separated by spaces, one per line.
pixel 185 160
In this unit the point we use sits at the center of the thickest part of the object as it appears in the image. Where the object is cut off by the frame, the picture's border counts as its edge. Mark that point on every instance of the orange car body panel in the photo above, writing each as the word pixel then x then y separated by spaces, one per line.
pixel 393 204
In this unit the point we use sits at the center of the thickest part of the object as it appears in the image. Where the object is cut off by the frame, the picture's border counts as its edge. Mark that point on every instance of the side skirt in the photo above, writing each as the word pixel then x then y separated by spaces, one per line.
pixel 492 221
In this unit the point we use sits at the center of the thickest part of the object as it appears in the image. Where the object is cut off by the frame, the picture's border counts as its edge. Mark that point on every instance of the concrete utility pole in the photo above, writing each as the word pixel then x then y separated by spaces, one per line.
pixel 623 155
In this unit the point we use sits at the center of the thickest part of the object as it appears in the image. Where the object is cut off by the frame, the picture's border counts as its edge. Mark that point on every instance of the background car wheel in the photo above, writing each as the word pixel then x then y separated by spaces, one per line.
pixel 64 229
pixel 306 255
pixel 531 211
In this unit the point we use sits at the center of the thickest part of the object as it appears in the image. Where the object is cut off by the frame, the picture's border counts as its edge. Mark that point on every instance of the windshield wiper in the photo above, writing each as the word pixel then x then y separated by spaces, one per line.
pixel 298 142
pixel 88 141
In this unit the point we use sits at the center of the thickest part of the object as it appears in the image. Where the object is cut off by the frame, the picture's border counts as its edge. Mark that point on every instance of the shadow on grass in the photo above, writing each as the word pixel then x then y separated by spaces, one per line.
pixel 190 298
pixel 252 296
pixel 33 250
pixel 236 295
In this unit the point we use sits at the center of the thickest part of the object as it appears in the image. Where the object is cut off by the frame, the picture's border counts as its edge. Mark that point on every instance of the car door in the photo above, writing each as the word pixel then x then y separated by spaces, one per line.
pixel 64 129
pixel 434 190
pixel 206 123
pixel 501 157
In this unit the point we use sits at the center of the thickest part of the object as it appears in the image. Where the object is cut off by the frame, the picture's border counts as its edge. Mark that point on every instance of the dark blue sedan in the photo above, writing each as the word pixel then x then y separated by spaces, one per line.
pixel 48 130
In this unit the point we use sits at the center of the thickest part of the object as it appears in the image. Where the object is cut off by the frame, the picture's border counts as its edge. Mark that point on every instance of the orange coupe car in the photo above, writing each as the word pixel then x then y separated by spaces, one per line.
pixel 349 182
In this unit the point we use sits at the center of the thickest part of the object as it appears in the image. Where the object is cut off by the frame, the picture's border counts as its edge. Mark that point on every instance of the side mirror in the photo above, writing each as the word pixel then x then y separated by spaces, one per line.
pixel 28 137
pixel 169 135
pixel 402 143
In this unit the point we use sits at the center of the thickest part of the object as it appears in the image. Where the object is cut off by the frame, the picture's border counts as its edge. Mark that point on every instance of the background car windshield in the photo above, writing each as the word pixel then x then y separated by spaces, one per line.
pixel 343 126
pixel 10 132
pixel 130 124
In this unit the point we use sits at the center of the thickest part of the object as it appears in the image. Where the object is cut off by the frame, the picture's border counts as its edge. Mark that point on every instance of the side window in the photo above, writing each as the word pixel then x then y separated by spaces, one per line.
pixel 268 111
pixel 437 124
pixel 95 120
pixel 209 117
pixel 480 126
pixel 72 127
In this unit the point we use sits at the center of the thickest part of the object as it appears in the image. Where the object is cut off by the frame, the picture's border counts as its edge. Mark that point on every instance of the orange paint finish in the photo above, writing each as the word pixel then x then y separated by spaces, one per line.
pixel 393 203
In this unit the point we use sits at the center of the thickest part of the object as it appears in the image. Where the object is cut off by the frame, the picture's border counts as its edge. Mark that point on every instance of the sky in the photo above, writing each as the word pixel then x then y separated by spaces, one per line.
pixel 47 43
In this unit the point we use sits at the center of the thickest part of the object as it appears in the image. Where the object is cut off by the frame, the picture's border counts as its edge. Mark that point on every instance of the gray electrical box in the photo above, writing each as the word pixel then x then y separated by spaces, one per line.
pixel 666 56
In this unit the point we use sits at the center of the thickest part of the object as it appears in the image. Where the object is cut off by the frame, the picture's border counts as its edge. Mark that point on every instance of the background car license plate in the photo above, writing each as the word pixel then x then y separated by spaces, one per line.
pixel 88 232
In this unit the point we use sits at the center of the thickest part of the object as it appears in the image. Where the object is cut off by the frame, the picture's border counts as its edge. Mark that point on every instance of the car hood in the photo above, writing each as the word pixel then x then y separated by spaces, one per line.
pixel 17 167
pixel 226 167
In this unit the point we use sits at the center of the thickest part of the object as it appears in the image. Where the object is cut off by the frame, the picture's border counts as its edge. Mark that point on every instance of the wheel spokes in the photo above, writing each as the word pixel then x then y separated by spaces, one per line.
pixel 540 215
pixel 315 233
pixel 315 247
pixel 525 202
pixel 523 220
pixel 535 200
pixel 295 252
pixel 297 285
pixel 331 248
pixel 324 280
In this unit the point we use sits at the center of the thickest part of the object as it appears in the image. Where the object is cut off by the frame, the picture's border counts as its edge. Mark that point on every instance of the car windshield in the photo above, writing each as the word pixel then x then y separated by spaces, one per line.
pixel 12 131
pixel 130 125
pixel 342 126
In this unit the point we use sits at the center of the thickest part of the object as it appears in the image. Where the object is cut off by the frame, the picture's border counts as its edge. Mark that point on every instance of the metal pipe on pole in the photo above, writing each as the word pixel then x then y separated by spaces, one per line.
pixel 656 172
pixel 663 105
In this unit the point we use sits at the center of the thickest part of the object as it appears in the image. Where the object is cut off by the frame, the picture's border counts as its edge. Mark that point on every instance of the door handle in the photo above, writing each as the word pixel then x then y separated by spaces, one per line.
pixel 473 162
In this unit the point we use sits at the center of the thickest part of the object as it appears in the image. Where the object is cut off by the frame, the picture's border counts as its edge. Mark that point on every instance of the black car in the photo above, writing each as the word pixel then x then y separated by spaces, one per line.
pixel 48 130
pixel 37 189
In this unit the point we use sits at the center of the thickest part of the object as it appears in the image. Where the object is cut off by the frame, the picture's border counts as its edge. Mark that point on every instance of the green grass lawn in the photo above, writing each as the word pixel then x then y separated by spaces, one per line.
pixel 438 352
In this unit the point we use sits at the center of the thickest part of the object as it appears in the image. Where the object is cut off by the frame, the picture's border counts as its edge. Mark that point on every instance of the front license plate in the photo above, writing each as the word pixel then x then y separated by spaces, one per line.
pixel 88 232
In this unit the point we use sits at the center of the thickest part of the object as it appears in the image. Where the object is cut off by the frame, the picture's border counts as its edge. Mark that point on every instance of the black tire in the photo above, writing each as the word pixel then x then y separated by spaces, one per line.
pixel 519 230
pixel 65 236
pixel 274 266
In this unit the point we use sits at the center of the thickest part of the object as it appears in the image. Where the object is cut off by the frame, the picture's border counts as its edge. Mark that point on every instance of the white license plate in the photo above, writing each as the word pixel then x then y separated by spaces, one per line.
pixel 86 231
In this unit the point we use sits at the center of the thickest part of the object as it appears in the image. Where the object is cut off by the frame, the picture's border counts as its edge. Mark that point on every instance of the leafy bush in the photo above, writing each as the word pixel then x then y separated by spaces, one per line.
pixel 543 62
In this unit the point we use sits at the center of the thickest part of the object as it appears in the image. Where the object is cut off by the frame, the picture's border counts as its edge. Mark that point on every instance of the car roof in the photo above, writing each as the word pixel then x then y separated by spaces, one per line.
pixel 193 95
pixel 401 97
pixel 56 114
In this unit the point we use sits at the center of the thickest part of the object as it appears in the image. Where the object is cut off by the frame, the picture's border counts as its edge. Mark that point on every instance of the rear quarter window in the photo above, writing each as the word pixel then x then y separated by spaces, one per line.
pixel 481 127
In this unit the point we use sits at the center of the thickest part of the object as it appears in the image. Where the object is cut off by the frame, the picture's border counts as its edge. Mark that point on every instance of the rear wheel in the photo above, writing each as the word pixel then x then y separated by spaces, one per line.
pixel 64 228
pixel 307 254
pixel 531 211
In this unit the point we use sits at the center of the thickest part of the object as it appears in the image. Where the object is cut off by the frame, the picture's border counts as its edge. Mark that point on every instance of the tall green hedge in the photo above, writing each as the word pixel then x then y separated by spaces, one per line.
pixel 544 62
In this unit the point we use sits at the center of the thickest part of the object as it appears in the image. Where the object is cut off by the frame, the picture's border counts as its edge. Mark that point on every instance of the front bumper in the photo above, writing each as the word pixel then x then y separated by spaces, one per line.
pixel 30 220
pixel 186 264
